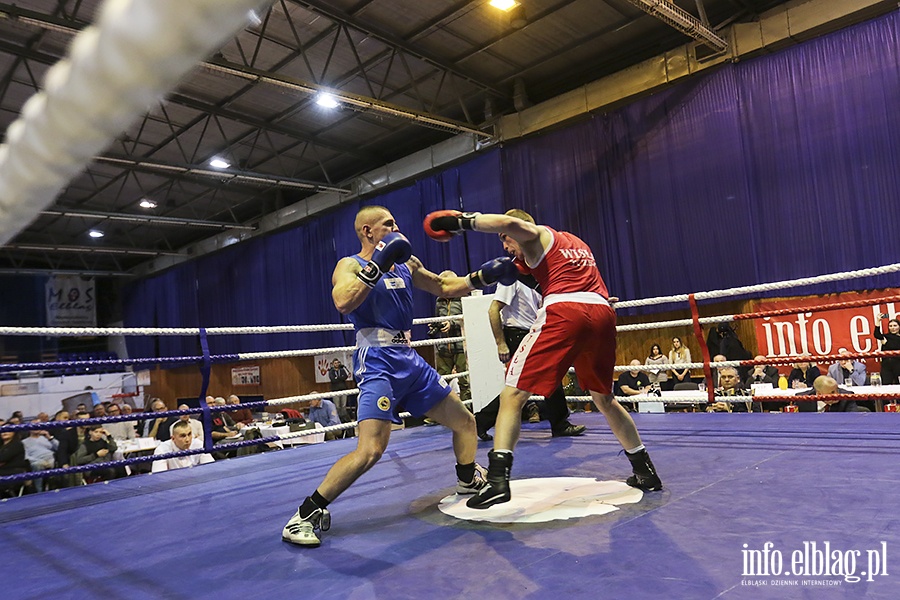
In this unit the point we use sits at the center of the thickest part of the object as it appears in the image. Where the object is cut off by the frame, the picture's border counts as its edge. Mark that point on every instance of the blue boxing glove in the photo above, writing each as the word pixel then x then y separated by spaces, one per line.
pixel 393 248
pixel 499 270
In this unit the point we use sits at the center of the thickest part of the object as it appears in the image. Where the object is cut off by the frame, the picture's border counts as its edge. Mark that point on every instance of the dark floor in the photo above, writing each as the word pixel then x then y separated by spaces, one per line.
pixel 731 480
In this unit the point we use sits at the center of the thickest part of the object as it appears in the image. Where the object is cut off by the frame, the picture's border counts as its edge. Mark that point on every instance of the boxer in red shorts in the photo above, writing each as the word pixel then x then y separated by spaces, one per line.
pixel 575 325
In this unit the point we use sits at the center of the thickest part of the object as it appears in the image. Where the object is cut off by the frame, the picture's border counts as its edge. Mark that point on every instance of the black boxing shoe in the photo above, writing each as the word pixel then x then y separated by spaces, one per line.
pixel 569 431
pixel 497 489
pixel 646 483
pixel 644 477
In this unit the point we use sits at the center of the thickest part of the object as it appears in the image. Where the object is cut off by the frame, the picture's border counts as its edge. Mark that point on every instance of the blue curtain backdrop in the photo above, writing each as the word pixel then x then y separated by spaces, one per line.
pixel 23 304
pixel 285 278
pixel 775 168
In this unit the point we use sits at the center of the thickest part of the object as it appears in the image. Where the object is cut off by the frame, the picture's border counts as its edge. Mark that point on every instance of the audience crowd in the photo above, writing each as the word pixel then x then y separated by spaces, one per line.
pixel 58 446
pixel 747 381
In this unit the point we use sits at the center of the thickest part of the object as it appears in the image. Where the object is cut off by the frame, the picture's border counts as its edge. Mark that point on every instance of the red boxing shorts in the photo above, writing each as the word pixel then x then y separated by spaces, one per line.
pixel 566 333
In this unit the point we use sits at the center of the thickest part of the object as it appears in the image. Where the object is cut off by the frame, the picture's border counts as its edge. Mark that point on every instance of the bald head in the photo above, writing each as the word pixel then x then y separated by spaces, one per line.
pixel 367 217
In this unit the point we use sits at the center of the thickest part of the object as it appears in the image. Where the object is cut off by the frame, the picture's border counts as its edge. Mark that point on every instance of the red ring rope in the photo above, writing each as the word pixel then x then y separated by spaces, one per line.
pixel 821 307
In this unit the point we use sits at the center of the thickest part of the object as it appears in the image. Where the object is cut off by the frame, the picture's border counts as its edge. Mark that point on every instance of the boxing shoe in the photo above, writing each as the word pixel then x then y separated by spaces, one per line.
pixel 484 436
pixel 569 431
pixel 497 489
pixel 302 532
pixel 644 477
pixel 479 480
pixel 646 483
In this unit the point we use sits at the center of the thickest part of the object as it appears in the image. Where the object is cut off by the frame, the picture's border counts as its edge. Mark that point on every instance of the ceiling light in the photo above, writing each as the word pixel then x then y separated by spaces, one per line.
pixel 326 100
pixel 254 19
pixel 503 4
pixel 147 203
pixel 94 233
pixel 218 163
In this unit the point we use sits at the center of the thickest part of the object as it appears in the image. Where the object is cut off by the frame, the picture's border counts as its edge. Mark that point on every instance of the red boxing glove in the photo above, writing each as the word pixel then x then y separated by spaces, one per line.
pixel 522 267
pixel 441 225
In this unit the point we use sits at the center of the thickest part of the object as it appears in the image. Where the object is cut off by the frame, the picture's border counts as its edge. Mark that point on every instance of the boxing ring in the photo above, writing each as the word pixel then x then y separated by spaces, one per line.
pixel 754 505
pixel 740 479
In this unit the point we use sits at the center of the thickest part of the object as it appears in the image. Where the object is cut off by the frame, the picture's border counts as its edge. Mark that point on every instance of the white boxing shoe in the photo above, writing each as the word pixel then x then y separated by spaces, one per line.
pixel 478 482
pixel 302 532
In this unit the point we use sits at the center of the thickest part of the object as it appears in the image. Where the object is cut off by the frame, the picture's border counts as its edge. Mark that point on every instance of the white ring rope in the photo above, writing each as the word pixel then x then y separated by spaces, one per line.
pixel 114 71
pixel 681 366
pixel 315 351
pixel 149 331
pixel 764 287
pixel 675 323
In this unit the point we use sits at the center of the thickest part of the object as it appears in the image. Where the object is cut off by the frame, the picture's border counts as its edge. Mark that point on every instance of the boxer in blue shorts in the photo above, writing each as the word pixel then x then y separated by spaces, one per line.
pixel 374 288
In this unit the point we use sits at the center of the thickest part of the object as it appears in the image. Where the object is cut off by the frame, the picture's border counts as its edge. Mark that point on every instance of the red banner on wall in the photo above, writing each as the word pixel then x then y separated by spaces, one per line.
pixel 823 332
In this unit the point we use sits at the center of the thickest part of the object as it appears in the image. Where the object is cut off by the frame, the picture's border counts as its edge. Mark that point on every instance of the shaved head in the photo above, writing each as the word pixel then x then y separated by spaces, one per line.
pixel 368 215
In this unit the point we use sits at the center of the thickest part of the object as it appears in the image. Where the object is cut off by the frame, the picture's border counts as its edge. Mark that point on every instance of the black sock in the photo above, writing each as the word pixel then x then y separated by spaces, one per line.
pixel 465 473
pixel 312 503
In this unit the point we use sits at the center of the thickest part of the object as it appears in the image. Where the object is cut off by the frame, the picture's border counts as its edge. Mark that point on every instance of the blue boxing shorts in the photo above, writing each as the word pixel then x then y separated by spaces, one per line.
pixel 394 379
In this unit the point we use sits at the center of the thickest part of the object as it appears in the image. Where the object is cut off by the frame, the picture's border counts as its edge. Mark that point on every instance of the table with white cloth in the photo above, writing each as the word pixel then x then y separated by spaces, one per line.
pixel 142 446
pixel 269 430
pixel 856 389
pixel 647 403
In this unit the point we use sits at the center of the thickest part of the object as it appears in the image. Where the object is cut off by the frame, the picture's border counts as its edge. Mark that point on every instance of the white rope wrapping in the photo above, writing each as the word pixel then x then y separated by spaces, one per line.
pixel 764 287
pixel 148 331
pixel 334 349
pixel 675 323
pixel 115 70
pixel 290 353
pixel 679 366
pixel 697 398
pixel 427 320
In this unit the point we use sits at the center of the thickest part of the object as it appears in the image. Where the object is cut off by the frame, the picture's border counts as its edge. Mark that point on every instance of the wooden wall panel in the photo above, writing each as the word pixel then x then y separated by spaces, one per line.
pixel 279 378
